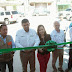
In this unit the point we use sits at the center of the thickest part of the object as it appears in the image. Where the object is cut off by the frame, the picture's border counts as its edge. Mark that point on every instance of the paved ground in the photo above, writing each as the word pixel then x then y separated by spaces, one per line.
pixel 18 65
pixel 34 22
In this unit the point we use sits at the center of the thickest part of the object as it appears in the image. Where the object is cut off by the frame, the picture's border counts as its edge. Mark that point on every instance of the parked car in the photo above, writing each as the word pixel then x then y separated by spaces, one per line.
pixel 8 16
pixel 41 12
pixel 21 14
pixel 36 12
pixel 65 13
pixel 69 16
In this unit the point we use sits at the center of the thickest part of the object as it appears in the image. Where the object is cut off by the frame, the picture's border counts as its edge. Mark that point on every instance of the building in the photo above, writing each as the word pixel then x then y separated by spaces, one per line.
pixel 63 4
pixel 7 4
pixel 48 4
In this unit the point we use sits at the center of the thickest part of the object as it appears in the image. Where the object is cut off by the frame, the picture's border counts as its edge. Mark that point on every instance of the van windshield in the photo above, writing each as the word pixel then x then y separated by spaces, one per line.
pixel 14 12
pixel 7 13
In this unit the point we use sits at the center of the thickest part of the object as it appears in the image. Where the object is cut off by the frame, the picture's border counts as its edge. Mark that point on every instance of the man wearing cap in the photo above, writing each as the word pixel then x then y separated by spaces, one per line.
pixel 27 37
pixel 6 42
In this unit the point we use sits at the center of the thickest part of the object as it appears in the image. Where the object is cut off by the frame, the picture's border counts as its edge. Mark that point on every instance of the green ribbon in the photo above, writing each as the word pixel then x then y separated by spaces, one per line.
pixel 53 45
pixel 50 45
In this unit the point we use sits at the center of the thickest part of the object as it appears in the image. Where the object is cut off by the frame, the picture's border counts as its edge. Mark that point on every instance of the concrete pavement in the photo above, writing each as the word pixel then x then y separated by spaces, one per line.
pixel 34 22
pixel 18 66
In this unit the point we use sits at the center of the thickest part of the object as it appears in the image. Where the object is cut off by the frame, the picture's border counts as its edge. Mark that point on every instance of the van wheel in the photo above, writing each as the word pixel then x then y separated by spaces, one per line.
pixel 6 21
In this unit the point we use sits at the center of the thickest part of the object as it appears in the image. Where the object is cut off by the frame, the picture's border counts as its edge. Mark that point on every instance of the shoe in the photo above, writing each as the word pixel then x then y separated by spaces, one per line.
pixel 60 69
pixel 67 70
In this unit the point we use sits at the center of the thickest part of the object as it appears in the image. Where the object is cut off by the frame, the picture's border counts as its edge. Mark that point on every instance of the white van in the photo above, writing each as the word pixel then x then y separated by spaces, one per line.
pixel 8 16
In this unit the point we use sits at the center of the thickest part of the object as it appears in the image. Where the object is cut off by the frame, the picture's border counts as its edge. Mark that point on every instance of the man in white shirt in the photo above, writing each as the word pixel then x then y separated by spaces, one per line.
pixel 27 37
pixel 57 35
pixel 70 52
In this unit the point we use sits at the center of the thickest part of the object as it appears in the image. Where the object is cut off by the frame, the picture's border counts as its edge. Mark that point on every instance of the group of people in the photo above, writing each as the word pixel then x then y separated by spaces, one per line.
pixel 27 37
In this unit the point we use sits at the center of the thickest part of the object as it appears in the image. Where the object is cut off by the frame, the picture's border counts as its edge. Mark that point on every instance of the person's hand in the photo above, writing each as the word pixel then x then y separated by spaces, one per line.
pixel 64 45
pixel 12 52
pixel 6 55
pixel 45 49
pixel 41 50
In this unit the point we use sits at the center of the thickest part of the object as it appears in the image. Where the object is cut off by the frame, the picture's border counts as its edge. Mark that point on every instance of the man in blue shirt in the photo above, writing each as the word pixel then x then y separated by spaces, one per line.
pixel 6 42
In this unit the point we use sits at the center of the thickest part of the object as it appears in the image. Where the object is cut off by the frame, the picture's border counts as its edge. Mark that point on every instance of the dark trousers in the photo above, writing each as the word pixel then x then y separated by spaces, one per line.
pixel 3 66
pixel 25 57
pixel 70 58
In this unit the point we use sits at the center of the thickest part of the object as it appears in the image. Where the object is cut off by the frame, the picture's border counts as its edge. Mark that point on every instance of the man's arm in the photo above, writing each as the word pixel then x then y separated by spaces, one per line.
pixel 17 41
pixel 13 44
pixel 52 36
pixel 37 40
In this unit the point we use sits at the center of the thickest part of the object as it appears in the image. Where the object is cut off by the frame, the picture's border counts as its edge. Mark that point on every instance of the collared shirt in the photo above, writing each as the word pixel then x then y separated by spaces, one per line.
pixel 58 37
pixel 70 34
pixel 4 39
pixel 26 39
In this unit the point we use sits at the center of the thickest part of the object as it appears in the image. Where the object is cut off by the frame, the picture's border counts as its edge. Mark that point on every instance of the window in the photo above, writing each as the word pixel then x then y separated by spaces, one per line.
pixel 2 13
pixel 14 12
pixel 68 9
pixel 7 13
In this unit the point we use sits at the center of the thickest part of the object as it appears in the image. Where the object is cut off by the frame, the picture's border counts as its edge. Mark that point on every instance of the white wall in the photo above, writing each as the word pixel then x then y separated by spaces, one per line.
pixel 9 8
